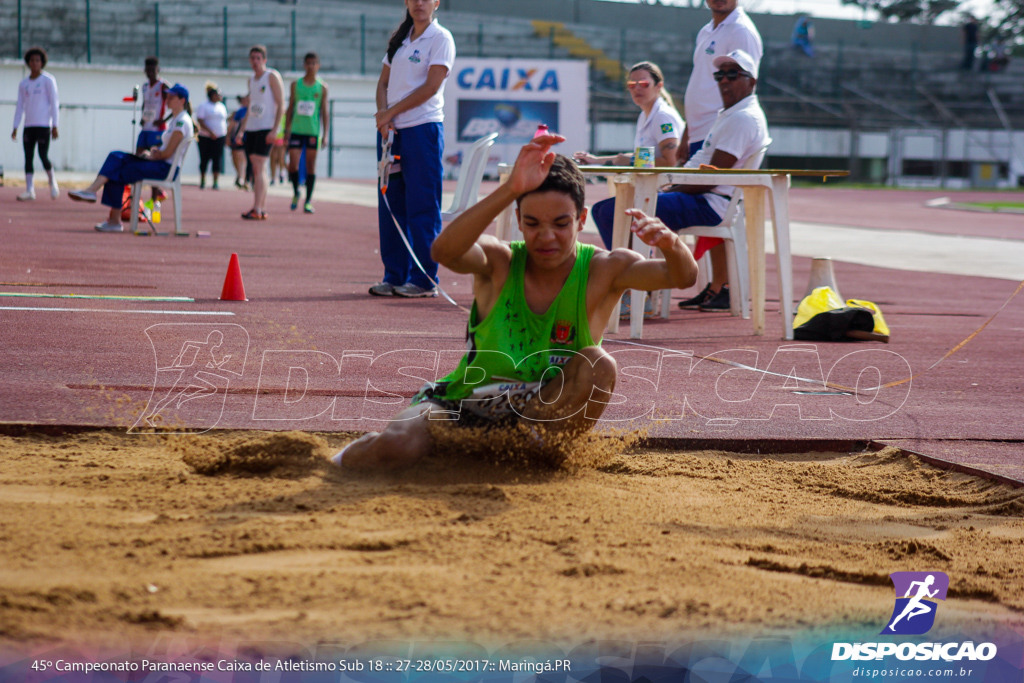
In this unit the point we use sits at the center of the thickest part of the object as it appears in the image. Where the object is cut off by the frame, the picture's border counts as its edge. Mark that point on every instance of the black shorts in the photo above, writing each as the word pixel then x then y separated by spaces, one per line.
pixel 255 142
pixel 303 142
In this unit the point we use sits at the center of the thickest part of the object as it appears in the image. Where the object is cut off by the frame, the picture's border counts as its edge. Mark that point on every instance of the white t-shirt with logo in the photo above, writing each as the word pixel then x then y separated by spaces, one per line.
pixel 742 131
pixel 434 47
pixel 181 123
pixel 37 100
pixel 214 116
pixel 262 105
pixel 154 105
pixel 664 123
pixel 702 100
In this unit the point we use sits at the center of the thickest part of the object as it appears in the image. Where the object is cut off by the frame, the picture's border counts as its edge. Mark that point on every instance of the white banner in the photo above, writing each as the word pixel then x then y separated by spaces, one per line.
pixel 512 97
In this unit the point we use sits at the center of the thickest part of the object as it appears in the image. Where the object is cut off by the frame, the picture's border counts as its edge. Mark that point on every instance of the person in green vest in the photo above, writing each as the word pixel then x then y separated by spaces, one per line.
pixel 306 127
pixel 540 307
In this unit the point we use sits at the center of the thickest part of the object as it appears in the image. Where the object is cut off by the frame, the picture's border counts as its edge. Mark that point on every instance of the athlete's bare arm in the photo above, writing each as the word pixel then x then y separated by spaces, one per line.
pixel 324 116
pixel 277 89
pixel 290 113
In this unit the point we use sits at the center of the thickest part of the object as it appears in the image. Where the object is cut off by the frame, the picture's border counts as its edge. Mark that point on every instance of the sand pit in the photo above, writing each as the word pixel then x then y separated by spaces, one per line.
pixel 105 535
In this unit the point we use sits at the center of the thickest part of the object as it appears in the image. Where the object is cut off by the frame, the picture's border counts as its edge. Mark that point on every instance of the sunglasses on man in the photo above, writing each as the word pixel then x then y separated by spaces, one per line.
pixel 638 84
pixel 731 74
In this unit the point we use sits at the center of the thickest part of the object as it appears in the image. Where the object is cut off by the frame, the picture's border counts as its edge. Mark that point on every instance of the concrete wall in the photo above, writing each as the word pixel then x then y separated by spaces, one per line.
pixel 94 120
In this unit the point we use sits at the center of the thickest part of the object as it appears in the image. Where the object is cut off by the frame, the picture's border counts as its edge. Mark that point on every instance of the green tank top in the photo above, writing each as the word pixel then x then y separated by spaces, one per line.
pixel 306 118
pixel 513 347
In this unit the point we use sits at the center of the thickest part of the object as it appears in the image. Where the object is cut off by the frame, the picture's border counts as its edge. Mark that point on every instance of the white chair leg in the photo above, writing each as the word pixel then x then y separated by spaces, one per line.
pixel 177 209
pixel 666 302
pixel 784 259
pixel 136 188
pixel 735 290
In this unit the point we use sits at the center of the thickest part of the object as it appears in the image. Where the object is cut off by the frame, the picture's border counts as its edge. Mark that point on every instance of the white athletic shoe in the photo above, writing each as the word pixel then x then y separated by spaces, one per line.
pixel 27 196
pixel 83 196
pixel 54 190
pixel 107 226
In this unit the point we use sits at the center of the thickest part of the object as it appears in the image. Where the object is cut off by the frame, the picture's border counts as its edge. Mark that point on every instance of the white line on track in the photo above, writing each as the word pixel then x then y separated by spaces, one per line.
pixel 110 310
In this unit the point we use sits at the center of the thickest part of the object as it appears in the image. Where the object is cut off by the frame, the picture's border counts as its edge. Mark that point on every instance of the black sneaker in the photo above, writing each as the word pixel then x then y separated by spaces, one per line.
pixel 717 302
pixel 696 301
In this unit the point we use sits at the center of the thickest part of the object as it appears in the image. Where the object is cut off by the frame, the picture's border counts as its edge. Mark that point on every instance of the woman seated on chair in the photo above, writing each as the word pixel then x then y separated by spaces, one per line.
pixel 659 125
pixel 123 168
pixel 739 133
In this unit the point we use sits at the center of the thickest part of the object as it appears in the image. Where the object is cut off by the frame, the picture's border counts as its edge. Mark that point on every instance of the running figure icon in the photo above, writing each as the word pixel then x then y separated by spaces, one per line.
pixel 916 607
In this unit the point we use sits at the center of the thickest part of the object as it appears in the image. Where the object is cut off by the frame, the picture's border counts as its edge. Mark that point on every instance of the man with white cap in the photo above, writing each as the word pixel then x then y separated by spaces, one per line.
pixel 738 132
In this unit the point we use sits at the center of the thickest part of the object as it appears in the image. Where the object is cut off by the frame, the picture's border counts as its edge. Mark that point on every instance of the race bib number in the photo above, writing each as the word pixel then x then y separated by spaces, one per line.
pixel 256 109
pixel 305 108
pixel 148 114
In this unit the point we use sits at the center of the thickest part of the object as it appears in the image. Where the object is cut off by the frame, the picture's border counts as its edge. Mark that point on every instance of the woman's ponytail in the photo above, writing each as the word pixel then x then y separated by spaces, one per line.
pixel 399 35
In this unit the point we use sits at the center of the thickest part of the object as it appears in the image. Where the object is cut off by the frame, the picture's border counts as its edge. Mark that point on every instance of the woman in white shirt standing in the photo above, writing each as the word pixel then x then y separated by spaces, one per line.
pixel 410 101
pixel 212 117
pixel 659 126
pixel 37 100
pixel 122 168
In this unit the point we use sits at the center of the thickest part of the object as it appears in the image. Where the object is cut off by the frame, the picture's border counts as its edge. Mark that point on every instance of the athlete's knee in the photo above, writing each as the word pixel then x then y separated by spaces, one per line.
pixel 595 366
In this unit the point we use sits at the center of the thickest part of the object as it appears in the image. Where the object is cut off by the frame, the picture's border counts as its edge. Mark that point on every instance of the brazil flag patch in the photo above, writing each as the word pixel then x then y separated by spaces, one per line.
pixel 666 128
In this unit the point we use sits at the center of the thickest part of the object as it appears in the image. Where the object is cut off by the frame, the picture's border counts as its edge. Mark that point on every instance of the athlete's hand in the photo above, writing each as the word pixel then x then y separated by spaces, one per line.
pixel 271 137
pixel 584 158
pixel 533 163
pixel 651 230
pixel 14 134
pixel 53 132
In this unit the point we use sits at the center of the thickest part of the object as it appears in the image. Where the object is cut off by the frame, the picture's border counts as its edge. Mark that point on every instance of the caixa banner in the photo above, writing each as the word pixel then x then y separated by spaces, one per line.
pixel 512 97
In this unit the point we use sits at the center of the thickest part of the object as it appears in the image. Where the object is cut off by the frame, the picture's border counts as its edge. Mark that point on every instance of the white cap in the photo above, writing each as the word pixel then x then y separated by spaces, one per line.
pixel 745 61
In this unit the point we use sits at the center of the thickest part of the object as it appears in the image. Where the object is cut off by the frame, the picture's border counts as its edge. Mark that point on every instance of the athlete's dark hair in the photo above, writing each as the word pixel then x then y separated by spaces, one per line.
pixel 564 177
pixel 152 61
pixel 399 35
pixel 259 48
pixel 309 56
pixel 36 51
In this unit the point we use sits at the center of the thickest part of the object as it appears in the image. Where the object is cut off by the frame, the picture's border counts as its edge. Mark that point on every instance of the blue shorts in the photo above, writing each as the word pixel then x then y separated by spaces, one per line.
pixel 148 139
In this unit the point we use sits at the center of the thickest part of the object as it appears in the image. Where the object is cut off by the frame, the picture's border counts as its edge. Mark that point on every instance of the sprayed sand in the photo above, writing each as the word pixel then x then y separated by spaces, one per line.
pixel 105 535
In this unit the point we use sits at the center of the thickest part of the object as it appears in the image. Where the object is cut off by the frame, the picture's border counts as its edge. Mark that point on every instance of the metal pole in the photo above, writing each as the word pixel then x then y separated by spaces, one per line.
pixel 18 56
pixel 622 48
pixel 88 34
pixel 330 139
pixel 156 24
pixel 225 59
pixel 362 44
pixel 480 40
pixel 293 40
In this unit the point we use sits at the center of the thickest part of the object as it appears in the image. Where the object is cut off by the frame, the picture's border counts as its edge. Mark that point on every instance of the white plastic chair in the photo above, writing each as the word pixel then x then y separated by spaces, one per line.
pixel 172 183
pixel 471 173
pixel 733 230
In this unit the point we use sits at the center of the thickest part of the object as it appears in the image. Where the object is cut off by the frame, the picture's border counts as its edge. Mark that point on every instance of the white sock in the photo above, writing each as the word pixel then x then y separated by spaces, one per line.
pixel 28 183
pixel 49 174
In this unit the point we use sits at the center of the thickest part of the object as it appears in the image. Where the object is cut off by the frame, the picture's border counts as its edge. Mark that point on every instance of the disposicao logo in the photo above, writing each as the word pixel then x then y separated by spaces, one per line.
pixel 914 615
pixel 916 595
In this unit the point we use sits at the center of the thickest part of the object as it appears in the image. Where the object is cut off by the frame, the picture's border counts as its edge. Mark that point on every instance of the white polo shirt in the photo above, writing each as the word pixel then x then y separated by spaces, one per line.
pixel 214 116
pixel 182 123
pixel 663 123
pixel 702 100
pixel 434 47
pixel 742 131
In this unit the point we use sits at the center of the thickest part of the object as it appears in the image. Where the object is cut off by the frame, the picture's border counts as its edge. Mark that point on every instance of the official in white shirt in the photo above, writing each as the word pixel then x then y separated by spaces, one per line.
pixel 739 132
pixel 38 102
pixel 659 125
pixel 121 168
pixel 730 29
pixel 212 117
pixel 410 101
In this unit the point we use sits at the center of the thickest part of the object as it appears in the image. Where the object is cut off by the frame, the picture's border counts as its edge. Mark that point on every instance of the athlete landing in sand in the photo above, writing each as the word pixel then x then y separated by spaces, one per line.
pixel 539 306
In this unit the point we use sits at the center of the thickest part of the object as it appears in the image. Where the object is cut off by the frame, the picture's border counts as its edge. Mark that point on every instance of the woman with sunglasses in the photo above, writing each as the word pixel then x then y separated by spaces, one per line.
pixel 659 125
pixel 121 168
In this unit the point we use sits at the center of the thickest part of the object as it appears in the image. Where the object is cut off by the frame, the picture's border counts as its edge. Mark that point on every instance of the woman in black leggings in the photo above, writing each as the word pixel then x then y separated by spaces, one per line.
pixel 37 101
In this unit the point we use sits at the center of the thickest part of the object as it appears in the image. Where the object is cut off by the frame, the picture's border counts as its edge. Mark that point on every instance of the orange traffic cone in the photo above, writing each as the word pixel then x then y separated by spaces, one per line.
pixel 233 289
